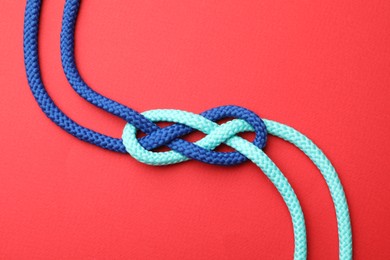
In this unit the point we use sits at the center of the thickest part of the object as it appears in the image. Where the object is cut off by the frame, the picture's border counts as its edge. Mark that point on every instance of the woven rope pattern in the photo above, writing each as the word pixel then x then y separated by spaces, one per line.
pixel 186 123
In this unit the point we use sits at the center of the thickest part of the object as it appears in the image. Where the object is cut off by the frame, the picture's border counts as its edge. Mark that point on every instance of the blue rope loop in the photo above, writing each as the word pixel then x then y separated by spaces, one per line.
pixel 156 136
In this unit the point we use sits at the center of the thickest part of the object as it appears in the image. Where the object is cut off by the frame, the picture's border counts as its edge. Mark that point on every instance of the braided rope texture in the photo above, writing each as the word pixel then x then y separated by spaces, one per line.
pixel 185 123
pixel 156 137
pixel 226 133
pixel 215 135
pixel 329 173
pixel 151 141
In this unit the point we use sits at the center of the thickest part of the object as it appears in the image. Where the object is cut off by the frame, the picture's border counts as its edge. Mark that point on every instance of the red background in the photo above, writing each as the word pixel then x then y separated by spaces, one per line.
pixel 320 66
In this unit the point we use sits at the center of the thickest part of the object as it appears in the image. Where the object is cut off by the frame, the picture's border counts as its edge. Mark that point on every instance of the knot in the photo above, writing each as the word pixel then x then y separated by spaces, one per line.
pixel 215 135
pixel 170 136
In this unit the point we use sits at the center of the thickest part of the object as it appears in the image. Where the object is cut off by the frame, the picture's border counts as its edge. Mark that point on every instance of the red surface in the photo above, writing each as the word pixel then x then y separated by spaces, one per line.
pixel 320 66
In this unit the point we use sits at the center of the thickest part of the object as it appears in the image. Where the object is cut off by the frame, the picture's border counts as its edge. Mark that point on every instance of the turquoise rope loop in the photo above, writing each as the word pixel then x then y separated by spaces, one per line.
pixel 226 133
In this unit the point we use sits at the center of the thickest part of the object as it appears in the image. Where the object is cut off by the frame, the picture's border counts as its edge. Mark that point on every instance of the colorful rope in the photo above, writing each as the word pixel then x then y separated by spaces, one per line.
pixel 186 122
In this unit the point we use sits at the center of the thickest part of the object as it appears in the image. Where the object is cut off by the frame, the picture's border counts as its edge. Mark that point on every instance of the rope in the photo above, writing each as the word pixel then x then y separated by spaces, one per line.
pixel 128 114
pixel 186 123
pixel 226 133
pixel 216 135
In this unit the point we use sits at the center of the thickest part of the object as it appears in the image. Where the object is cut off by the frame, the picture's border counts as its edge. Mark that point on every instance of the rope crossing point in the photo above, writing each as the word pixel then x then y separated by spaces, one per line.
pixel 186 122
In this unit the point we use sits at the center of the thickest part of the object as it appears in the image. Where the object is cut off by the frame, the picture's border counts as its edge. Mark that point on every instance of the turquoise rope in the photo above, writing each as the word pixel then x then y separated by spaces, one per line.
pixel 226 133
pixel 333 182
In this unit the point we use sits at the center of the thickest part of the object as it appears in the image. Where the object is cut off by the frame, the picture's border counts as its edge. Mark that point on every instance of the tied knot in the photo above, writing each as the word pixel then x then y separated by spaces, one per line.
pixel 216 134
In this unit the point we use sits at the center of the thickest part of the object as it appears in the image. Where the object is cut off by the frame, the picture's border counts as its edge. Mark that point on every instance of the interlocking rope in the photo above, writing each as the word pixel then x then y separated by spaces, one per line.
pixel 186 122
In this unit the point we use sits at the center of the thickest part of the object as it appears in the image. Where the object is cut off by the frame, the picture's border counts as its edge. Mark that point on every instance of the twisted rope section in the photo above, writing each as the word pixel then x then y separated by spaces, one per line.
pixel 226 133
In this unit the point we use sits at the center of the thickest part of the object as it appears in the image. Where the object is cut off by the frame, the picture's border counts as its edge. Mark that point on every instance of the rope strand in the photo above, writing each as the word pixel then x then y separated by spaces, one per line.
pixel 185 123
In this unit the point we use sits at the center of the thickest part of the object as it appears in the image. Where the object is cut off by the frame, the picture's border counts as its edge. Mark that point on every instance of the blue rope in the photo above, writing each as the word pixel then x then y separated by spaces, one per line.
pixel 186 123
pixel 156 136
